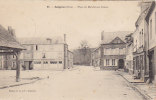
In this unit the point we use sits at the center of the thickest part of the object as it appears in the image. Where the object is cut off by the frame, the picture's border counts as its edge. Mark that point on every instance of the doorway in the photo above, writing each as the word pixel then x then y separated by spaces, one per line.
pixel 151 65
pixel 121 64
pixel 28 65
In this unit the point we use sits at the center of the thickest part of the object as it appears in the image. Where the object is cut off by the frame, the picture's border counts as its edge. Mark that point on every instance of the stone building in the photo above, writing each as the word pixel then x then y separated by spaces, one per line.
pixel 110 55
pixel 45 53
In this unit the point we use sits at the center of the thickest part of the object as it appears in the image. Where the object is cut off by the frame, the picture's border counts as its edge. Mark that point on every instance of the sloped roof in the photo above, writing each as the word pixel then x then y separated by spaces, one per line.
pixel 151 8
pixel 7 40
pixel 117 40
pixel 109 36
pixel 37 40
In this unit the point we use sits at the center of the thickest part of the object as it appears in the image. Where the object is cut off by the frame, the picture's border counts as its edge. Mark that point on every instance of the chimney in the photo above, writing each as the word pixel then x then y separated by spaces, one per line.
pixel 102 36
pixel 11 31
pixel 64 38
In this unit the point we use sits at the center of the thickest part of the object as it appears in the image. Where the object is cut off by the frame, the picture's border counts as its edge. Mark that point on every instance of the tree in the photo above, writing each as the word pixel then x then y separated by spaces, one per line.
pixel 84 46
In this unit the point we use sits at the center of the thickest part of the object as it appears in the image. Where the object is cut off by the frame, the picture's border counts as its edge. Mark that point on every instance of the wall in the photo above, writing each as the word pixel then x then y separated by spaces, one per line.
pixel 114 51
pixel 152 39
pixel 44 56
pixel 152 35
pixel 129 58
pixel 70 59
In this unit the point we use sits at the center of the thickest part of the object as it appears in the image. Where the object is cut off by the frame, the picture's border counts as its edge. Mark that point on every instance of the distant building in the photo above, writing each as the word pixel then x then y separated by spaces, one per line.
pixel 96 57
pixel 45 54
pixel 129 54
pixel 110 55
pixel 70 59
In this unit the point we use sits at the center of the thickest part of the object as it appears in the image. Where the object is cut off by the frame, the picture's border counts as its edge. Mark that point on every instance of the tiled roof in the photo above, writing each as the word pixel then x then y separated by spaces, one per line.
pixel 109 36
pixel 7 40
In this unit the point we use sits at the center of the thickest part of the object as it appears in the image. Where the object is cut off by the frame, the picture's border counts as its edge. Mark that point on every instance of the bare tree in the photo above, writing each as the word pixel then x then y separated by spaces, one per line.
pixel 84 46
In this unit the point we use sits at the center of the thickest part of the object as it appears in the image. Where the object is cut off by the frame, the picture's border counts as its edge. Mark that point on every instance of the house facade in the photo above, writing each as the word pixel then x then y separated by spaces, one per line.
pixel 45 54
pixel 110 55
pixel 129 54
pixel 151 34
pixel 113 54
pixel 140 45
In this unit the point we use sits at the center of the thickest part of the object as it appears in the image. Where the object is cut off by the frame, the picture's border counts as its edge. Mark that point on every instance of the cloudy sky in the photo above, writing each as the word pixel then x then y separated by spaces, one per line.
pixel 32 18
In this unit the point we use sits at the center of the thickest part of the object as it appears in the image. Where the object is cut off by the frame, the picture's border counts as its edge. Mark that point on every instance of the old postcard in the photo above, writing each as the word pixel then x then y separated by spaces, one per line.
pixel 77 50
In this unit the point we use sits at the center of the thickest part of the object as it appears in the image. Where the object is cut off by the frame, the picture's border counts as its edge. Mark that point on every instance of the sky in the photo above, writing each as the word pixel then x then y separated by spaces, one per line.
pixel 32 18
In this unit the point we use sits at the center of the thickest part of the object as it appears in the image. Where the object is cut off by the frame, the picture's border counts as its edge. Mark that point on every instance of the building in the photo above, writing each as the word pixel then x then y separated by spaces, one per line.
pixel 6 60
pixel 129 54
pixel 96 57
pixel 45 53
pixel 110 55
pixel 151 37
pixel 70 59
pixel 140 45
pixel 9 46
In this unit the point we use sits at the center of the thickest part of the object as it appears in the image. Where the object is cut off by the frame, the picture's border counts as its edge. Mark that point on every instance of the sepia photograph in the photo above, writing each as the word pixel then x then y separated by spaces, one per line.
pixel 77 50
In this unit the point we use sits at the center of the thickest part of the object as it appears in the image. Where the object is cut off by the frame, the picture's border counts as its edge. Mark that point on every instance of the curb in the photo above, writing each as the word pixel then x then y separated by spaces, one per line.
pixel 143 94
pixel 19 84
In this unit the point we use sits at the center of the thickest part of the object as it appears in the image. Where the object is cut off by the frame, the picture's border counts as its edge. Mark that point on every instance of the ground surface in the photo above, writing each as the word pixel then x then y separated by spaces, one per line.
pixel 81 83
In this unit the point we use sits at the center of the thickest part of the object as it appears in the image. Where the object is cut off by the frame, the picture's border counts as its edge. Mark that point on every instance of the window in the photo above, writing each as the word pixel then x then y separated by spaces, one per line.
pixel 53 62
pixel 60 62
pixel 113 61
pixel 36 47
pixel 150 28
pixel 37 62
pixel 107 61
pixel 45 62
